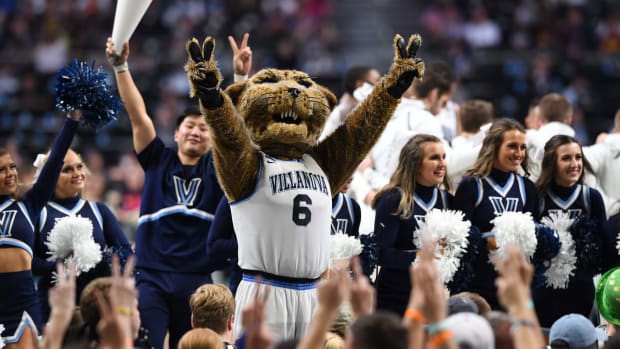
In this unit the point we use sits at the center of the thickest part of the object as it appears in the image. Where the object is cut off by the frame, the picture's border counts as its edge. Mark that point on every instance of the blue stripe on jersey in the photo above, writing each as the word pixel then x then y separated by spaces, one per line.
pixel 426 206
pixel 565 204
pixel 97 213
pixel 180 209
pixel 282 284
pixel 25 322
pixel 68 212
pixel 501 190
pixel 16 243
pixel 25 212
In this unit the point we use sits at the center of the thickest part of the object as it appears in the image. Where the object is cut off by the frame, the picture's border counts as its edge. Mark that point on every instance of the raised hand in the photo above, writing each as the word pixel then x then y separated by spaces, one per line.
pixel 111 55
pixel 202 72
pixel 242 55
pixel 407 64
pixel 362 292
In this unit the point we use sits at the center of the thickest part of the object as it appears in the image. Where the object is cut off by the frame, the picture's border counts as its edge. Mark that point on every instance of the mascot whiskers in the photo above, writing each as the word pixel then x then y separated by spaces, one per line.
pixel 279 179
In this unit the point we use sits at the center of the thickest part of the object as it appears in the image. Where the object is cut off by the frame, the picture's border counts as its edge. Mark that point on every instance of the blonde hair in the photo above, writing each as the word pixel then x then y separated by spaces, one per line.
pixel 212 306
pixel 201 338
pixel 490 147
pixel 404 177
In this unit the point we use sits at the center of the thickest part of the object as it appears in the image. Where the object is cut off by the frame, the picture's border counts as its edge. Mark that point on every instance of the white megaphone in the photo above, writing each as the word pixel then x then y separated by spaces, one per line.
pixel 128 14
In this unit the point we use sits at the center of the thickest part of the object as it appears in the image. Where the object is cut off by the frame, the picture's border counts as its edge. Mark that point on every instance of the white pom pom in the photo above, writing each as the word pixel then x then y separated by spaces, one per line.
pixel 515 228
pixel 71 239
pixel 344 246
pixel 450 231
pixel 564 264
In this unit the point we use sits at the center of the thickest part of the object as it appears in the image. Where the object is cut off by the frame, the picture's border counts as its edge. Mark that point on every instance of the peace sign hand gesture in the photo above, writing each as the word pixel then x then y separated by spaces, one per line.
pixel 242 55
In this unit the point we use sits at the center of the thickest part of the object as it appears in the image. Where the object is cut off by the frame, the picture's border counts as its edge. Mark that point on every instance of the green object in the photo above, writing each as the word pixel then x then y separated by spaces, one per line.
pixel 608 296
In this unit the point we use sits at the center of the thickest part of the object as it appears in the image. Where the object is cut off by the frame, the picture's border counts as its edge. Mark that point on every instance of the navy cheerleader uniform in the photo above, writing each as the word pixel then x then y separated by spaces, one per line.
pixel 177 207
pixel 396 250
pixel 483 199
pixel 346 215
pixel 107 233
pixel 19 303
pixel 578 297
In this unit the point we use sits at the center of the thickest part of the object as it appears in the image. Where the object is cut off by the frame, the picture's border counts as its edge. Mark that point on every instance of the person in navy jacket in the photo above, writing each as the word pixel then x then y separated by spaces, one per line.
pixel 67 201
pixel 19 303
pixel 494 186
pixel 413 190
pixel 561 189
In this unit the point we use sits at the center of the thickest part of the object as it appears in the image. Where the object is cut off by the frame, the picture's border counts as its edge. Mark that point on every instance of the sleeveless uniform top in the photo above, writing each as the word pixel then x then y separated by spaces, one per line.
pixel 283 227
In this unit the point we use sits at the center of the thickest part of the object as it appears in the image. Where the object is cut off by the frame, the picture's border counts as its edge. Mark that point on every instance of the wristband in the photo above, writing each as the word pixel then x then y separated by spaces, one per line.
pixel 414 314
pixel 239 77
pixel 530 304
pixel 124 310
pixel 522 323
pixel 435 328
pixel 440 338
pixel 121 67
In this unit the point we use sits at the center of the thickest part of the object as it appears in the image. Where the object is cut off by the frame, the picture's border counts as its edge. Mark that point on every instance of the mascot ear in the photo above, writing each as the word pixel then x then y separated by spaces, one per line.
pixel 331 99
pixel 234 91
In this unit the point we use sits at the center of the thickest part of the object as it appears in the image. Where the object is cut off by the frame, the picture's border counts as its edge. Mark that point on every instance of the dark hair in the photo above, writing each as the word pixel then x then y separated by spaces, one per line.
pixel 437 75
pixel 491 144
pixel 189 111
pixel 550 157
pixel 475 113
pixel 404 177
pixel 353 75
pixel 378 331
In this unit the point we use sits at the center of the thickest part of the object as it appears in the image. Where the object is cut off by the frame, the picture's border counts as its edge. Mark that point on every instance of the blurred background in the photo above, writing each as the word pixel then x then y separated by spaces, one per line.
pixel 507 52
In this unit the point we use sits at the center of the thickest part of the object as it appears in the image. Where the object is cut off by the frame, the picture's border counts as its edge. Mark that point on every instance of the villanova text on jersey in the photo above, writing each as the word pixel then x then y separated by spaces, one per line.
pixel 282 182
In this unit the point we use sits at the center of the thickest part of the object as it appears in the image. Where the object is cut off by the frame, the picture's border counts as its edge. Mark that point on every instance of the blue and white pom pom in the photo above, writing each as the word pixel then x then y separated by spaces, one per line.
pixel 564 264
pixel 71 239
pixel 515 228
pixel 2 344
pixel 344 246
pixel 80 86
pixel 450 231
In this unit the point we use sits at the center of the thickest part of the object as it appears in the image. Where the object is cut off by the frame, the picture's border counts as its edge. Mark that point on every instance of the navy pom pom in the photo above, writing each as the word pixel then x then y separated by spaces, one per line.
pixel 368 257
pixel 587 245
pixel 461 281
pixel 548 247
pixel 81 86
pixel 121 251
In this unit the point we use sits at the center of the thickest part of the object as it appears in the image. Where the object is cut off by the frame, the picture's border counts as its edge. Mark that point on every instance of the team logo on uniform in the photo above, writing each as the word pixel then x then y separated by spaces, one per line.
pixel 6 222
pixel 501 205
pixel 341 226
pixel 572 212
pixel 186 193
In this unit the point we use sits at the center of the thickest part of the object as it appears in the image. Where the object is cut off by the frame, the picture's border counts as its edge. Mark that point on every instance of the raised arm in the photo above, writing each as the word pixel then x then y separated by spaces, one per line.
pixel 341 152
pixel 142 127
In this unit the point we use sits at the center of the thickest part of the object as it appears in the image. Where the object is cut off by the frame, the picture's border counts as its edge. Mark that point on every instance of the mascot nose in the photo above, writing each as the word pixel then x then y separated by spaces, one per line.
pixel 293 91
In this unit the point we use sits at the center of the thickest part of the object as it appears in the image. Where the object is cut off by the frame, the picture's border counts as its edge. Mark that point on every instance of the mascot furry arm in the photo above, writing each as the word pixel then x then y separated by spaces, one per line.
pixel 282 113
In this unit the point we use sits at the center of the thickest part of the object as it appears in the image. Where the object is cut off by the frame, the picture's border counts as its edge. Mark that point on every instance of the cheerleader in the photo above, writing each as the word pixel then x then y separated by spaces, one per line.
pixel 413 190
pixel 493 187
pixel 67 201
pixel 561 189
pixel 19 303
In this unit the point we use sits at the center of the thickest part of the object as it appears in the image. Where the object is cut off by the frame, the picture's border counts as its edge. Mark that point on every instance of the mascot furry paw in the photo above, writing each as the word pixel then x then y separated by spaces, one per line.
pixel 276 175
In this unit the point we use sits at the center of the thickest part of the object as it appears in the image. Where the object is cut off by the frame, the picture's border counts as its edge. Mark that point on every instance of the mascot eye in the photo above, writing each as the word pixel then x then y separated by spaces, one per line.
pixel 305 83
pixel 267 79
